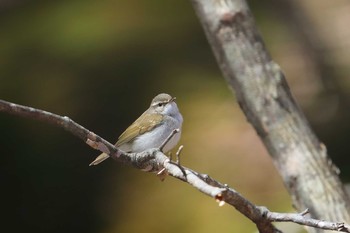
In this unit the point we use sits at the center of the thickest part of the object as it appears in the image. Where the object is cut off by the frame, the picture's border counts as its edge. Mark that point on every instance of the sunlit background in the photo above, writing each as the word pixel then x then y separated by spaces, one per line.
pixel 101 63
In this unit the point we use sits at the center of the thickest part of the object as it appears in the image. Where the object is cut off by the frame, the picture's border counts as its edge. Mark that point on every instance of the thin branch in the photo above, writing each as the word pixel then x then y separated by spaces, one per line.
pixel 171 135
pixel 154 160
pixel 302 220
pixel 68 124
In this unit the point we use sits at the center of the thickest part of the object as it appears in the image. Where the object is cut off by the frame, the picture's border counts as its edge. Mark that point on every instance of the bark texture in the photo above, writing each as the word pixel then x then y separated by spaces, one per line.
pixel 264 96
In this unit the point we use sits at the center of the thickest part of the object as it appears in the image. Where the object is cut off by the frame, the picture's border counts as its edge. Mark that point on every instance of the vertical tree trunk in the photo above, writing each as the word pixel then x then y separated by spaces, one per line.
pixel 265 98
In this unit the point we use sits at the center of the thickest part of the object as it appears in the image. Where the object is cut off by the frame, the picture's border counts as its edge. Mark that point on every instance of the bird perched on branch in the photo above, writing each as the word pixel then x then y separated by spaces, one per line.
pixel 151 129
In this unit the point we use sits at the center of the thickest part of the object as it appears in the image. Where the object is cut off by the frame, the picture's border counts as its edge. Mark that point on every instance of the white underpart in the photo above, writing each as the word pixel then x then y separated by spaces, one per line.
pixel 155 138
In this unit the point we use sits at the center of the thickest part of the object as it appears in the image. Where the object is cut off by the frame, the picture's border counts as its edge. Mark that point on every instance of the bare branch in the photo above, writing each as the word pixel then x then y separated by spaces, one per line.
pixel 68 124
pixel 171 135
pixel 302 220
pixel 154 160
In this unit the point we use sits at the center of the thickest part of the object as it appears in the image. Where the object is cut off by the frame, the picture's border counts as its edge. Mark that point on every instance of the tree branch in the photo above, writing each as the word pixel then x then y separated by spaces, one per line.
pixel 154 160
pixel 265 98
pixel 300 219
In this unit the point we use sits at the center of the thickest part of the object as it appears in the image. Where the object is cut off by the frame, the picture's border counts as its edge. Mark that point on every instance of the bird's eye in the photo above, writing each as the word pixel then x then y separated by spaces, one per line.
pixel 160 104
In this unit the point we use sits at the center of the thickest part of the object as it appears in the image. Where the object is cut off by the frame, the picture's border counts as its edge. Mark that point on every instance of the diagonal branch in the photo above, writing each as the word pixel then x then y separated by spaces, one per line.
pixel 263 94
pixel 154 160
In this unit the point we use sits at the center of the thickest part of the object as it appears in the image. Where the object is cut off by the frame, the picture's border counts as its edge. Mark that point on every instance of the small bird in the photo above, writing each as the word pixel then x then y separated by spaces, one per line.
pixel 151 129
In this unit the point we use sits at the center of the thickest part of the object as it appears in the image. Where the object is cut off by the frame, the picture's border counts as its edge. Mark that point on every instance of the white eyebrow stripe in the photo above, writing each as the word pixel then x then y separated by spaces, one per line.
pixel 160 102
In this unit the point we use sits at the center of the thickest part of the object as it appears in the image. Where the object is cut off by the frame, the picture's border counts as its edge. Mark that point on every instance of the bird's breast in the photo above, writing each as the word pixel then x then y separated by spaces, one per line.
pixel 155 137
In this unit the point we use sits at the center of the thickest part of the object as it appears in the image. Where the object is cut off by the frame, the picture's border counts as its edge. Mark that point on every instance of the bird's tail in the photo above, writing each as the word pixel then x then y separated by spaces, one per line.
pixel 102 157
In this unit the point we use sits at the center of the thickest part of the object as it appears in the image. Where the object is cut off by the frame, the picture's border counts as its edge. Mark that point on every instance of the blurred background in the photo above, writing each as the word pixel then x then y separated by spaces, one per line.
pixel 101 63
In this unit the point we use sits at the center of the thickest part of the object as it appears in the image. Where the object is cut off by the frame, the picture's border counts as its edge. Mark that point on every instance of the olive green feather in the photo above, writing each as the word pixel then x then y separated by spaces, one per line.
pixel 143 124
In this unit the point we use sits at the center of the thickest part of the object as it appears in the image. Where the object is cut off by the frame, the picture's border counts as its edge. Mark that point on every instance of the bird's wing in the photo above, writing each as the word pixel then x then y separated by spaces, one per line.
pixel 143 124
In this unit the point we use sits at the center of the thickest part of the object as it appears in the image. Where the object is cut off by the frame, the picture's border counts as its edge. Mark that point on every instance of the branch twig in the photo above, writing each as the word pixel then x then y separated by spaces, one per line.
pixel 302 220
pixel 154 160
pixel 171 135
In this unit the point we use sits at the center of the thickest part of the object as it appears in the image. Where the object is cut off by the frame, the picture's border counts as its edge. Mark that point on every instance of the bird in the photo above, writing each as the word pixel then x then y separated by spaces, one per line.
pixel 151 129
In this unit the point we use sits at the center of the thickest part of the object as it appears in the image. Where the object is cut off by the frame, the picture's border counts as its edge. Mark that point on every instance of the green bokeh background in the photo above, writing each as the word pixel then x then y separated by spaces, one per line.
pixel 100 63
